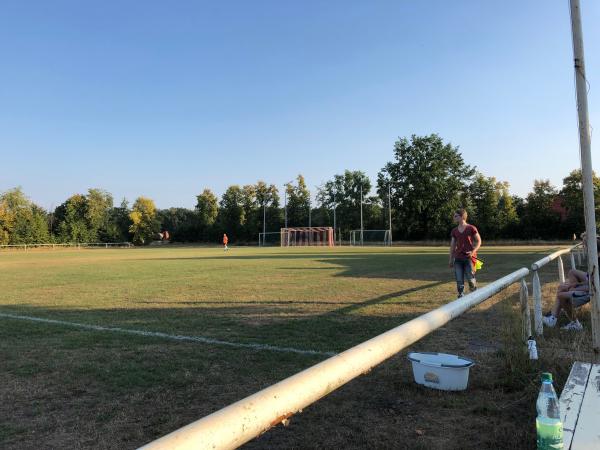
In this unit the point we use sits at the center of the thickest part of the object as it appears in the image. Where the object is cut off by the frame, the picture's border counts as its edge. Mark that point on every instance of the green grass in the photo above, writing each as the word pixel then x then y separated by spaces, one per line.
pixel 80 388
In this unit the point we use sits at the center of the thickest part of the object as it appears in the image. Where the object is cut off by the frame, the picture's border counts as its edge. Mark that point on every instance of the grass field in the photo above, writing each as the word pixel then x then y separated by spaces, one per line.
pixel 63 386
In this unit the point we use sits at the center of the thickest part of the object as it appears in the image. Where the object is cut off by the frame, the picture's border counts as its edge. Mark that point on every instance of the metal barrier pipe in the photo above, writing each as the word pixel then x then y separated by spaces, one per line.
pixel 551 257
pixel 240 422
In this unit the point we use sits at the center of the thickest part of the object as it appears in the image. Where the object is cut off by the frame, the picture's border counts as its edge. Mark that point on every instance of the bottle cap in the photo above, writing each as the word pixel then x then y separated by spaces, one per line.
pixel 547 377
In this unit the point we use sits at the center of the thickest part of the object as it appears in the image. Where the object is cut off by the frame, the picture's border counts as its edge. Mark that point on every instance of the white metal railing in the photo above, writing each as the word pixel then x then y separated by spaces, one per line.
pixel 71 244
pixel 537 287
pixel 240 422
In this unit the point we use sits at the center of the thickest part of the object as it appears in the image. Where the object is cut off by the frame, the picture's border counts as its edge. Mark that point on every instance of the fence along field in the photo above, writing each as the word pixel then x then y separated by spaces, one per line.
pixel 143 387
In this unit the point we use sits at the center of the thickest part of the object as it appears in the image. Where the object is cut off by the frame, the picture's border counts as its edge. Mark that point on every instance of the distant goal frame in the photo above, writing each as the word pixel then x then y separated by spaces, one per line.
pixel 307 237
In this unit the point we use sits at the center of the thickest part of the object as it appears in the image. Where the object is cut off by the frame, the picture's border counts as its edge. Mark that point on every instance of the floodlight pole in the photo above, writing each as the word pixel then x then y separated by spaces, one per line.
pixel 586 171
pixel 390 209
pixel 264 217
pixel 285 203
pixel 361 216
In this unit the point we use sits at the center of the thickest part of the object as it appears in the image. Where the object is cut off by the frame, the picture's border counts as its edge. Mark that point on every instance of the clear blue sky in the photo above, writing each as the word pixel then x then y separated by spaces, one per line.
pixel 163 99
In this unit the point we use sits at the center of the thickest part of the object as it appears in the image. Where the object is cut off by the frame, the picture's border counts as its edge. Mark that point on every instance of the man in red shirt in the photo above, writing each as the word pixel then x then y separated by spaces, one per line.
pixel 463 251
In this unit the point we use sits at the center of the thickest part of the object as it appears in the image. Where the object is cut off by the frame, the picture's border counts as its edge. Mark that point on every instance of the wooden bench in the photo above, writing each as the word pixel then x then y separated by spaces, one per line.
pixel 580 407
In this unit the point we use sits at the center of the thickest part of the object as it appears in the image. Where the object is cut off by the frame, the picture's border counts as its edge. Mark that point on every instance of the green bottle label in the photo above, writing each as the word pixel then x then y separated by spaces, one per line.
pixel 549 435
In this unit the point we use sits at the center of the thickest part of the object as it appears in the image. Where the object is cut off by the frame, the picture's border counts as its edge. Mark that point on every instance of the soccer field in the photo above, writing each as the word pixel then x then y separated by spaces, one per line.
pixel 99 375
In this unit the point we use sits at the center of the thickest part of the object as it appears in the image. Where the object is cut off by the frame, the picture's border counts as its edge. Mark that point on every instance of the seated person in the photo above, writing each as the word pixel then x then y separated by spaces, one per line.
pixel 574 293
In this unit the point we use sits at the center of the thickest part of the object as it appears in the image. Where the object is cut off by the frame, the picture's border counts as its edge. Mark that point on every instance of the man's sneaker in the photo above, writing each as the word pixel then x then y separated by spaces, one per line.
pixel 549 321
pixel 573 326
pixel 460 294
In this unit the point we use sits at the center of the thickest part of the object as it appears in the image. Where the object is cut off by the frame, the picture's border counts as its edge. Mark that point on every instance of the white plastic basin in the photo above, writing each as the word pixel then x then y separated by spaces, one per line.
pixel 441 370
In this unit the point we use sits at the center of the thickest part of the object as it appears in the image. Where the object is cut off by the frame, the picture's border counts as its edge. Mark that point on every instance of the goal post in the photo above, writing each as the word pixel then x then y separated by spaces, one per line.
pixel 269 239
pixel 307 236
pixel 370 237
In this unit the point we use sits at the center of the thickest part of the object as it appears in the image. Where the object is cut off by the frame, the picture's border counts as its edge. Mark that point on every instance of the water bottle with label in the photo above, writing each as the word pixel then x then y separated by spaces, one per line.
pixel 548 424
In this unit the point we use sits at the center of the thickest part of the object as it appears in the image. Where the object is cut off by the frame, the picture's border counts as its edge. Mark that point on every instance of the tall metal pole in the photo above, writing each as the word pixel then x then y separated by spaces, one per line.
pixel 285 204
pixel 586 171
pixel 390 209
pixel 361 217
pixel 264 217
pixel 334 224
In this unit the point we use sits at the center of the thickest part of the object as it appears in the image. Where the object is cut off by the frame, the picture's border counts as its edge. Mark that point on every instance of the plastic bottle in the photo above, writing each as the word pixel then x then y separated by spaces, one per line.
pixel 548 424
pixel 533 354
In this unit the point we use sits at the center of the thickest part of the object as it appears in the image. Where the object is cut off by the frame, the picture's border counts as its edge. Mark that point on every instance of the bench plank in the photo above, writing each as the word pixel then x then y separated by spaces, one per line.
pixel 587 431
pixel 571 399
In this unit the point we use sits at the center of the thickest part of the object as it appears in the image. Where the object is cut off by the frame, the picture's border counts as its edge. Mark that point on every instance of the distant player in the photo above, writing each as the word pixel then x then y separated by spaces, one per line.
pixel 225 241
pixel 463 252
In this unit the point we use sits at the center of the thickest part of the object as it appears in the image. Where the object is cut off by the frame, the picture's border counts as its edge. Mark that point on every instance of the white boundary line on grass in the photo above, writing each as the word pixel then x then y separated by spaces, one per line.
pixel 176 337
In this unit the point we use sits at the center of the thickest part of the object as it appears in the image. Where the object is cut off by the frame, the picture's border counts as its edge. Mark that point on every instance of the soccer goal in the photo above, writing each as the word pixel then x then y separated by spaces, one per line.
pixel 305 236
pixel 269 239
pixel 370 237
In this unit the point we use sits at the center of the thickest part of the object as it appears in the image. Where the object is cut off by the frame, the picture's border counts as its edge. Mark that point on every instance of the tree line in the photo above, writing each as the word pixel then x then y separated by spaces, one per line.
pixel 424 183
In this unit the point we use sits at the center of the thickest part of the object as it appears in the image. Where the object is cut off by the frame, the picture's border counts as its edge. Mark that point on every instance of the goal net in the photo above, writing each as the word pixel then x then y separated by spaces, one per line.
pixel 269 239
pixel 305 236
pixel 370 237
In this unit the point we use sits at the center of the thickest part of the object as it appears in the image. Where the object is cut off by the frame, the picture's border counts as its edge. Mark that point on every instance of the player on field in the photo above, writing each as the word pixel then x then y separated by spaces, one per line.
pixel 463 252
pixel 225 241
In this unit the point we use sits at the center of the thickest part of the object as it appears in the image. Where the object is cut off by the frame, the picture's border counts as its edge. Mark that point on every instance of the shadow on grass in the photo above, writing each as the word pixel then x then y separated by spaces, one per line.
pixel 426 266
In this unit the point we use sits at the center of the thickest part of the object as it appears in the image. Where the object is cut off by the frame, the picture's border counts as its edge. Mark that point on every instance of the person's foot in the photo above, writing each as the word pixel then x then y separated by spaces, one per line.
pixel 573 326
pixel 549 321
pixel 460 294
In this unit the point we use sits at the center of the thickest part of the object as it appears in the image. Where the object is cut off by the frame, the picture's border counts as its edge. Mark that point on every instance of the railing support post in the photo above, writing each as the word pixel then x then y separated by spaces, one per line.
pixel 525 313
pixel 537 304
pixel 561 270
pixel 573 266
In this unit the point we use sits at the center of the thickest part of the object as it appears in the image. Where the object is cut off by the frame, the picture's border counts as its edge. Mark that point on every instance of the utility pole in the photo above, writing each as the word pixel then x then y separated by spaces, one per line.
pixel 586 171
pixel 361 216
pixel 390 209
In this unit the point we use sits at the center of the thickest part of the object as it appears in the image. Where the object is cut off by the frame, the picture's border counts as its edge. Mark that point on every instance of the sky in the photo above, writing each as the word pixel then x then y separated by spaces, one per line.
pixel 163 99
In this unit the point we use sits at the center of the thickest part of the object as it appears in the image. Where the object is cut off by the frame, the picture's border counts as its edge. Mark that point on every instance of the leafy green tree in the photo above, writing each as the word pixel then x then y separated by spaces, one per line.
pixel 72 220
pixel 267 196
pixel 144 224
pixel 21 221
pixel 231 217
pixel 206 213
pixel 428 179
pixel 181 223
pixel 571 196
pixel 298 203
pixel 540 218
pixel 490 206
pixel 117 229
pixel 252 221
pixel 99 204
pixel 343 192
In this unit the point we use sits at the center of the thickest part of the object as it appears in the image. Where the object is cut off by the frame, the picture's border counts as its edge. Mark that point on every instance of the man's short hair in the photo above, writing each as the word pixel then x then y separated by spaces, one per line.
pixel 462 212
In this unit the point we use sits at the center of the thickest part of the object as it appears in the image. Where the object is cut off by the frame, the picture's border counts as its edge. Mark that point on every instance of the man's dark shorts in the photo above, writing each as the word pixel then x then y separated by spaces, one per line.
pixel 579 298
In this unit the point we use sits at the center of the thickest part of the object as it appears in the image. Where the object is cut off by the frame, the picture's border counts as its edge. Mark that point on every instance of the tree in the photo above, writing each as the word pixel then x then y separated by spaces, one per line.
pixel 144 224
pixel 343 192
pixel 540 218
pixel 571 196
pixel 72 222
pixel 206 213
pixel 181 223
pixel 428 179
pixel 21 221
pixel 490 206
pixel 231 217
pixel 99 204
pixel 298 203
pixel 118 224
pixel 267 196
